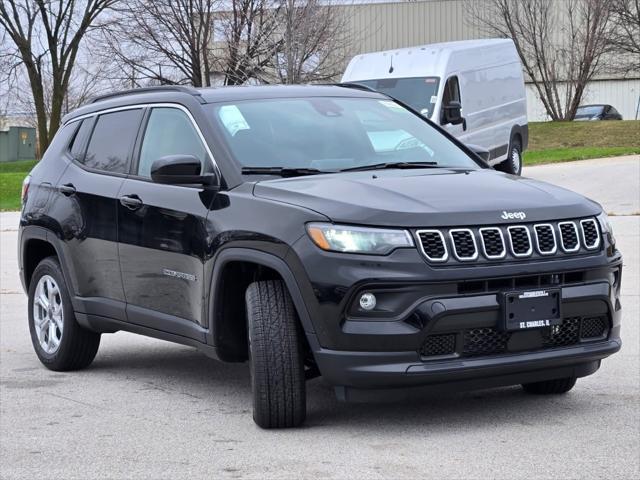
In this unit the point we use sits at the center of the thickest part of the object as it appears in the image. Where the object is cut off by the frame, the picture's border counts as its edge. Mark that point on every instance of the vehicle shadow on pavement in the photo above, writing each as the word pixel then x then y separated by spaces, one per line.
pixel 176 368
pixel 434 412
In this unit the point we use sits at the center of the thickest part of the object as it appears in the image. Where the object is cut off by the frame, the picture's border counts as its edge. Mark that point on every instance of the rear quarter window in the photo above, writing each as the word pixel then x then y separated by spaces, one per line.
pixel 112 140
pixel 79 142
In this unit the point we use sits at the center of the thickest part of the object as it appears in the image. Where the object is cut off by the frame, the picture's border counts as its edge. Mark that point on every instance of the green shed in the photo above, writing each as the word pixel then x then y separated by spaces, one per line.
pixel 17 143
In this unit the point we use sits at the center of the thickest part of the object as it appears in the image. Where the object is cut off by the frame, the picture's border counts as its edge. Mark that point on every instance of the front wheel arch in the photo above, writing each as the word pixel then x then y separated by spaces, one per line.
pixel 228 347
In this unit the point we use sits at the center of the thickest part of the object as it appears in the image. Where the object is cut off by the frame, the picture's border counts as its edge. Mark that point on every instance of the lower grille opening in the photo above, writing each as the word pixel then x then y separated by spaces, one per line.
pixel 527 282
pixel 484 341
pixel 491 341
pixel 567 333
pixel 593 327
pixel 439 345
pixel 512 283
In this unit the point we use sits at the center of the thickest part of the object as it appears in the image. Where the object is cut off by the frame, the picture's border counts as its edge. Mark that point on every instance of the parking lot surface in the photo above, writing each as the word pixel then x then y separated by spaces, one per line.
pixel 150 409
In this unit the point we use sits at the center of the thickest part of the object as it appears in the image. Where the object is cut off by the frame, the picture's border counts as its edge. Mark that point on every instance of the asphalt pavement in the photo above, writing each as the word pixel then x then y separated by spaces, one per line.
pixel 150 409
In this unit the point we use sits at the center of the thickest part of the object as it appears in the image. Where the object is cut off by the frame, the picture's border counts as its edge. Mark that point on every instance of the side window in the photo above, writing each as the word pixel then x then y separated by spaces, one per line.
pixel 113 137
pixel 451 93
pixel 169 132
pixel 78 144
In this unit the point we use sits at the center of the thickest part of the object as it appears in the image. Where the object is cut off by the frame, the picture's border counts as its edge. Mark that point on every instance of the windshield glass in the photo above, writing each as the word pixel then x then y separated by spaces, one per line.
pixel 419 93
pixel 331 133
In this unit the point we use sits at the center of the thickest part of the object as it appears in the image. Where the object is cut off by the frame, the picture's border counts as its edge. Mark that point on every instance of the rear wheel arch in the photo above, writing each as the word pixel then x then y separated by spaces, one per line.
pixel 36 244
pixel 33 252
pixel 234 270
pixel 521 133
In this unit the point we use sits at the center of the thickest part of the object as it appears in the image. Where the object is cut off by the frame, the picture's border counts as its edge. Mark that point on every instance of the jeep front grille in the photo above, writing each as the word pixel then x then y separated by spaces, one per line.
pixel 464 244
pixel 590 234
pixel 545 239
pixel 433 245
pixel 520 240
pixel 494 243
pixel 569 236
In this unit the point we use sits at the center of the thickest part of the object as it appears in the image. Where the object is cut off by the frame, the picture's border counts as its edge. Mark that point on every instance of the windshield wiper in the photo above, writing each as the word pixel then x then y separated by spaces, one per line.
pixel 281 171
pixel 381 166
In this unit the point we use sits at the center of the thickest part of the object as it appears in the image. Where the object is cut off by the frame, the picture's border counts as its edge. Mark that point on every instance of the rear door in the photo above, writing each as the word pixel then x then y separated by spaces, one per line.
pixel 162 230
pixel 86 206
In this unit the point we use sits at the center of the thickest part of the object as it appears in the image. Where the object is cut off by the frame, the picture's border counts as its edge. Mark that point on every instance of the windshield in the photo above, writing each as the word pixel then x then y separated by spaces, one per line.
pixel 329 134
pixel 419 93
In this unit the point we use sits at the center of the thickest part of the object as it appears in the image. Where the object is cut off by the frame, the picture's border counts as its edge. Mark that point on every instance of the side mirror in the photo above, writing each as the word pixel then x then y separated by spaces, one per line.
pixel 180 170
pixel 453 113
pixel 483 153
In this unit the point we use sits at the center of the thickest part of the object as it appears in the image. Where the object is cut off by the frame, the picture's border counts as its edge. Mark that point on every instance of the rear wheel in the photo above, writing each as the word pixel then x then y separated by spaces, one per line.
pixel 550 387
pixel 275 356
pixel 59 341
pixel 513 163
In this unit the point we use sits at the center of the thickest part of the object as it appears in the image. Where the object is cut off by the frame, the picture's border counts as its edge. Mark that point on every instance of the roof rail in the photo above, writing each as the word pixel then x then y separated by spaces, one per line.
pixel 160 88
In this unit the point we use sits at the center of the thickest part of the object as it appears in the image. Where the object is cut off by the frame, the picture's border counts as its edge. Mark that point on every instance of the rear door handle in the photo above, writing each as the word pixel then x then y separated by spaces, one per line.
pixel 67 189
pixel 132 202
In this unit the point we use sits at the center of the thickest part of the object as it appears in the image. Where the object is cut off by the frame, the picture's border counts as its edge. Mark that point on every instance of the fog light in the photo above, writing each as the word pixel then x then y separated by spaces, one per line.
pixel 367 301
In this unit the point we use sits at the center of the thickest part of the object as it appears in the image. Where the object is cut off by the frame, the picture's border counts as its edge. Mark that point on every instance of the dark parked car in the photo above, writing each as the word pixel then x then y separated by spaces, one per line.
pixel 597 112
pixel 318 230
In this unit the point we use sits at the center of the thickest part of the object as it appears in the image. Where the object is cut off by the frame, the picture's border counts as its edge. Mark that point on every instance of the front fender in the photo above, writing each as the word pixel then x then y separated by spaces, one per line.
pixel 258 257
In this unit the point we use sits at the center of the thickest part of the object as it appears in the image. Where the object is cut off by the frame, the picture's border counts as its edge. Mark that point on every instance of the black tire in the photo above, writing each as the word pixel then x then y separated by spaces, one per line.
pixel 550 387
pixel 78 346
pixel 275 356
pixel 513 163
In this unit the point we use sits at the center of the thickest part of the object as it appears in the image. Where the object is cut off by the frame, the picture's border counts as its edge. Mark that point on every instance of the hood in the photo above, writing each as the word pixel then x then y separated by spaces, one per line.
pixel 419 197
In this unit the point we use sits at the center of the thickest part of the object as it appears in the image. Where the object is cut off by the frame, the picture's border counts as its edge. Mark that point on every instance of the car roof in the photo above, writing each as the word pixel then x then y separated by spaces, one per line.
pixel 181 94
pixel 595 105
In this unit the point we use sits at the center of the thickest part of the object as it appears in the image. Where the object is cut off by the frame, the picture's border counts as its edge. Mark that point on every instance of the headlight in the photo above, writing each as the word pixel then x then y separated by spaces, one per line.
pixel 606 227
pixel 342 238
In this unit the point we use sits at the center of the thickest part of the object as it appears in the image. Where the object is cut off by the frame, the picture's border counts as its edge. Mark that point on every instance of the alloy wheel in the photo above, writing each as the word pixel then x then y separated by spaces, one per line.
pixel 48 314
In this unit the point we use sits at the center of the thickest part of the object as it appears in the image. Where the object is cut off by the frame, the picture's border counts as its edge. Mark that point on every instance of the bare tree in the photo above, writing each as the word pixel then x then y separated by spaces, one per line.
pixel 45 37
pixel 248 40
pixel 625 37
pixel 561 44
pixel 314 41
pixel 162 41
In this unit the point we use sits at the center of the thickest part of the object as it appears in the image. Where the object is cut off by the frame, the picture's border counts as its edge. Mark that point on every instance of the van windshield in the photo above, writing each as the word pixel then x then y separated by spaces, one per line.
pixel 419 93
pixel 332 134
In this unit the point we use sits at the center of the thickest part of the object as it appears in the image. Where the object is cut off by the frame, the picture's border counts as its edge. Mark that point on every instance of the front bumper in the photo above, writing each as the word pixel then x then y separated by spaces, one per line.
pixel 386 348
pixel 520 357
pixel 381 370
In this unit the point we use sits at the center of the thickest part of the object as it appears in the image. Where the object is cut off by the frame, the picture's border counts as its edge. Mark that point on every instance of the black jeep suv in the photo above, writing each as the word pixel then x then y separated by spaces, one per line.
pixel 311 230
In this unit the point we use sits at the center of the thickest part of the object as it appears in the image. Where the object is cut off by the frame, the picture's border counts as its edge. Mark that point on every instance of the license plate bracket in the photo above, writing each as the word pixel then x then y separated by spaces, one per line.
pixel 528 309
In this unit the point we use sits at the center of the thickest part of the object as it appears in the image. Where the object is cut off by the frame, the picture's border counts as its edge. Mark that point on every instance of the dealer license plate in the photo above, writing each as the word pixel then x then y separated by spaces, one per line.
pixel 528 309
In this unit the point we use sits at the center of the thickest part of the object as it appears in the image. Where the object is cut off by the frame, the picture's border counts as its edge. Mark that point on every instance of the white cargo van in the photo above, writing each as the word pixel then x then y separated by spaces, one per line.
pixel 474 89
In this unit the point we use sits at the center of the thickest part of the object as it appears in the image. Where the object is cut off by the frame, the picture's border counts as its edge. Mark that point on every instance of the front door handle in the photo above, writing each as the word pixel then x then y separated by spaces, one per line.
pixel 67 189
pixel 132 202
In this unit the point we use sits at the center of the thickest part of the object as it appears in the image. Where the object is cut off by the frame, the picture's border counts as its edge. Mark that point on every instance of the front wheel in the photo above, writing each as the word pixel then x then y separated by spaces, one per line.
pixel 275 356
pixel 513 163
pixel 59 341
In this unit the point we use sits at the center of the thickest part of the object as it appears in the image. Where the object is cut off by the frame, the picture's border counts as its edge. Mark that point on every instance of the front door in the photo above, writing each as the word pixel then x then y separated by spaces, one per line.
pixel 162 231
